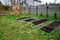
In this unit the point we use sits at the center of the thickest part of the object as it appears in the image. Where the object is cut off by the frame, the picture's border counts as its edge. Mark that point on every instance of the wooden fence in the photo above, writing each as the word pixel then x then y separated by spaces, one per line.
pixel 51 9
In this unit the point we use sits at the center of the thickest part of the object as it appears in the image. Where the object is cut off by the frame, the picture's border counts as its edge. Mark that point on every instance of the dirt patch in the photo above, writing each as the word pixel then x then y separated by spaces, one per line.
pixel 39 21
pixel 50 27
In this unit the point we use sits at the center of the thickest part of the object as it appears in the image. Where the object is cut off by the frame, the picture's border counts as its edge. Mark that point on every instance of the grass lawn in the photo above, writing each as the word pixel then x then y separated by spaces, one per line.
pixel 12 29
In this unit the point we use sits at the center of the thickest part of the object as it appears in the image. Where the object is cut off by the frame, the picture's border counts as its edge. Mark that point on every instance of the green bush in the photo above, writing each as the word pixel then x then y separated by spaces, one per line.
pixel 47 15
pixel 41 14
pixel 6 7
pixel 55 15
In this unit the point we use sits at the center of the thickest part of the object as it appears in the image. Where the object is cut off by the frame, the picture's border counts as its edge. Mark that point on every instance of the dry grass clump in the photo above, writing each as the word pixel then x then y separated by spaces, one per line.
pixel 24 12
pixel 16 13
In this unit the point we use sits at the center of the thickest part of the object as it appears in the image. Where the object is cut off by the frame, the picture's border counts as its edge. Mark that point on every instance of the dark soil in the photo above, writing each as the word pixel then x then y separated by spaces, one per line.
pixel 39 21
pixel 50 27
pixel 29 20
pixel 23 18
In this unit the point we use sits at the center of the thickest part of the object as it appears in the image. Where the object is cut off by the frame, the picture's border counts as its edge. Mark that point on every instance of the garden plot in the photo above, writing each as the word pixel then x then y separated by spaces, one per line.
pixel 49 28
pixel 29 20
pixel 23 18
pixel 39 21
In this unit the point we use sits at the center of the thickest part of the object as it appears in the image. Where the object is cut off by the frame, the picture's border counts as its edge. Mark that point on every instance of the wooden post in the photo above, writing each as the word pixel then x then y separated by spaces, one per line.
pixel 47 10
pixel 24 9
pixel 29 9
pixel 36 10
pixel 20 8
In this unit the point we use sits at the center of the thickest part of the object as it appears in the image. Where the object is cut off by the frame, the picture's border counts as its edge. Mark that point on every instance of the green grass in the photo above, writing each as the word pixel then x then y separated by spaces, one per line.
pixel 12 29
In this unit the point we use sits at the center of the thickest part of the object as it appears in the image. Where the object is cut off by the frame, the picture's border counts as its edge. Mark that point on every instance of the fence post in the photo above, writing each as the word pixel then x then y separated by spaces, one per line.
pixel 47 11
pixel 29 9
pixel 36 10
pixel 24 10
pixel 21 8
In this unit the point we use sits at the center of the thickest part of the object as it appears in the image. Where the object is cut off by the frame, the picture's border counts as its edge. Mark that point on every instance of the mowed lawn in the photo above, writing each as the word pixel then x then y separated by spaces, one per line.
pixel 12 29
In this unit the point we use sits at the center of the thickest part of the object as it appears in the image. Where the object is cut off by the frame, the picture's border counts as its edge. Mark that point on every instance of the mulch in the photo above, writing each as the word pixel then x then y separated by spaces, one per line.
pixel 39 21
pixel 49 28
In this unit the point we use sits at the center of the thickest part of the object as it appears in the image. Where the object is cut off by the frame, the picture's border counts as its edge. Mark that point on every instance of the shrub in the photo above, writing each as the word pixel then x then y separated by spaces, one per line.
pixel 6 7
pixel 47 15
pixel 55 15
pixel 41 14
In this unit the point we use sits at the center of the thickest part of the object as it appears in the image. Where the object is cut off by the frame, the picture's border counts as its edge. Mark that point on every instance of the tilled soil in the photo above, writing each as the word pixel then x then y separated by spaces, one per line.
pixel 39 21
pixel 49 28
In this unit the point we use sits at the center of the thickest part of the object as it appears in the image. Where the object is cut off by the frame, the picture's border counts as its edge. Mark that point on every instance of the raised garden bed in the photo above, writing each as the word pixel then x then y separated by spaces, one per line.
pixel 22 18
pixel 39 21
pixel 49 28
pixel 29 20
